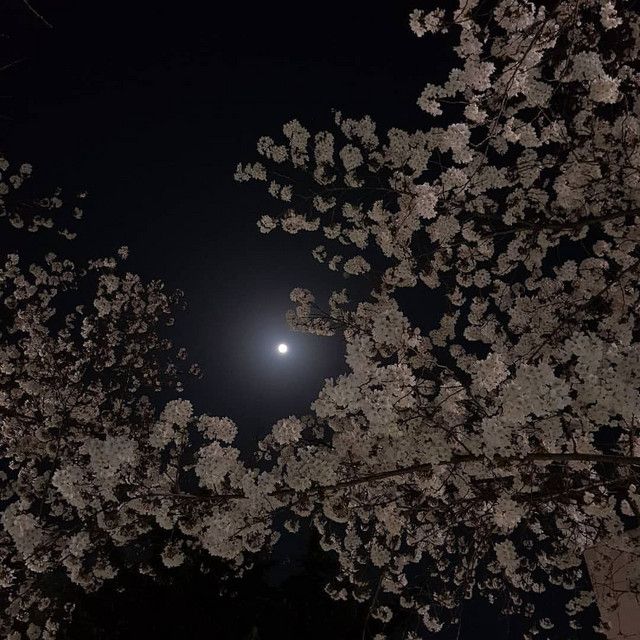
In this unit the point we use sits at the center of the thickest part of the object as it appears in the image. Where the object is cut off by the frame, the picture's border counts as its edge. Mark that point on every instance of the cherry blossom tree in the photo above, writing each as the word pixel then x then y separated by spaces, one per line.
pixel 75 419
pixel 480 456
pixel 489 452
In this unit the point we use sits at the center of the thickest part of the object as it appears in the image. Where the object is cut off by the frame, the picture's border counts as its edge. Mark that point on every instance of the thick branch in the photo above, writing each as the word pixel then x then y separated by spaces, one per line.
pixel 594 458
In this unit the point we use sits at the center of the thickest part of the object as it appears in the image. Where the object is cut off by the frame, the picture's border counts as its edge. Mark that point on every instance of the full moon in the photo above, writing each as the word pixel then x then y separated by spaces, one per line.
pixel 283 348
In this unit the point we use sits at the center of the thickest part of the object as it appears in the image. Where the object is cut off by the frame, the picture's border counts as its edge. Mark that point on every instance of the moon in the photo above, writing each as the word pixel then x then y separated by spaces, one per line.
pixel 283 348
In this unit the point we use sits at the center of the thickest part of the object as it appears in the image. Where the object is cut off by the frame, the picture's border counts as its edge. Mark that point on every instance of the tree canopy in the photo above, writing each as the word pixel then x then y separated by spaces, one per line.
pixel 482 455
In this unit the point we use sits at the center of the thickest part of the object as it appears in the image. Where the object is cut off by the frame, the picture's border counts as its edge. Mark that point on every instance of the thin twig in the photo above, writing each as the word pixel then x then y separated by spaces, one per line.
pixel 36 13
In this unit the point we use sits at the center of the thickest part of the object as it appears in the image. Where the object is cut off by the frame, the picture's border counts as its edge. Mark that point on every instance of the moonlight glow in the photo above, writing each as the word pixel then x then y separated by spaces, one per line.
pixel 283 348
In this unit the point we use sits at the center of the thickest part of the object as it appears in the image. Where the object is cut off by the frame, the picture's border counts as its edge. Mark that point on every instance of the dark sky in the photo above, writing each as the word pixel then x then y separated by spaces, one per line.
pixel 150 105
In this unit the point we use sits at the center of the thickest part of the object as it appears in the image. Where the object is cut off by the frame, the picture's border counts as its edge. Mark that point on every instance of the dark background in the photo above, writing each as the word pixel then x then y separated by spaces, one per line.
pixel 149 106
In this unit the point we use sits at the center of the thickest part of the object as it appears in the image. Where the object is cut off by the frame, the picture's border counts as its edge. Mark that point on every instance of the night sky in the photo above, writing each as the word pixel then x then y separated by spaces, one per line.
pixel 149 106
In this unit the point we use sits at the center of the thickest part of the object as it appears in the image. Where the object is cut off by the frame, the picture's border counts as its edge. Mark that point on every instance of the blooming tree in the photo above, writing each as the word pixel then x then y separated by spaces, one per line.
pixel 487 453
pixel 480 456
